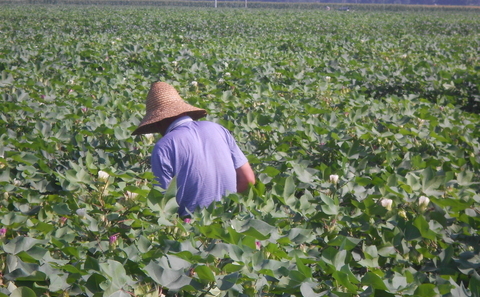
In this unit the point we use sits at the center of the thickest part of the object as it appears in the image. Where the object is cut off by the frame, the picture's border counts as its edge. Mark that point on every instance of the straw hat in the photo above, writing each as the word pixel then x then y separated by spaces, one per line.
pixel 164 102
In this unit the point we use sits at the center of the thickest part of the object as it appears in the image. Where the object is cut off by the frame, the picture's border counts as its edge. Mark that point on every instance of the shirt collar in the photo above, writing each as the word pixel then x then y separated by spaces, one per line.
pixel 178 122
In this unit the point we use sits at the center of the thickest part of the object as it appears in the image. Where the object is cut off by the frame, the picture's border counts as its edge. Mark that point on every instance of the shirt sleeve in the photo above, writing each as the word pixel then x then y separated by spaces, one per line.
pixel 161 167
pixel 238 156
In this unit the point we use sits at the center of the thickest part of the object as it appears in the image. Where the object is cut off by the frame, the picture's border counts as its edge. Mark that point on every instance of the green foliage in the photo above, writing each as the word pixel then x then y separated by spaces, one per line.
pixel 363 129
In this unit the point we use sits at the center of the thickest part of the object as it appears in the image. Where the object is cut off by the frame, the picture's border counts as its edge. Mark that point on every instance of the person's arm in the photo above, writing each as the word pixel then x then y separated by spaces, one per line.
pixel 161 168
pixel 245 177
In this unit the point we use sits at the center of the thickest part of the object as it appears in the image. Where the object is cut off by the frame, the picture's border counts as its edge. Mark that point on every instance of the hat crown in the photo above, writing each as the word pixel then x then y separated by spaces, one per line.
pixel 162 95
pixel 163 102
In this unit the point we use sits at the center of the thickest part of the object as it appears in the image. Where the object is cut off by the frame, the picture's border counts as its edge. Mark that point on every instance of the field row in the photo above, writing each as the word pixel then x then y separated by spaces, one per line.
pixel 362 128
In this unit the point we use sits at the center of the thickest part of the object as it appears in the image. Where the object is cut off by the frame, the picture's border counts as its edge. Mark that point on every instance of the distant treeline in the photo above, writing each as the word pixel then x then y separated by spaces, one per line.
pixel 345 5
pixel 407 2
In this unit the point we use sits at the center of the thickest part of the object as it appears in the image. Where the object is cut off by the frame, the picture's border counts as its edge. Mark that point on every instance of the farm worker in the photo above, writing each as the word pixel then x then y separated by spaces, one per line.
pixel 203 156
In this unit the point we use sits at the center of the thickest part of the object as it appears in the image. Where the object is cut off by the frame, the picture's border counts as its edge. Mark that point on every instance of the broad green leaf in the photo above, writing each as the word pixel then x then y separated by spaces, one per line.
pixel 289 188
pixel 427 290
pixel 303 268
pixel 120 293
pixel 330 207
pixel 229 268
pixel 116 273
pixel 474 284
pixel 172 279
pixel 226 282
pixel 304 174
pixel 255 228
pixel 343 279
pixel 339 259
pixel 94 281
pixel 91 264
pixel 431 182
pixel 344 242
pixel 455 205
pixel 58 282
pixel 307 290
pixel 412 232
pixel 371 279
pixel 205 273
pixel 20 244
pixel 23 292
pixel 299 236
pixel 424 228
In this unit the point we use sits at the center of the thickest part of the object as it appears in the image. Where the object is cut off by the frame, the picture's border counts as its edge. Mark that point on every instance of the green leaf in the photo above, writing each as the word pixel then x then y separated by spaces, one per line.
pixel 62 209
pixel 255 228
pixel 424 228
pixel 91 264
pixel 23 292
pixel 426 290
pixel 339 259
pixel 307 290
pixel 305 270
pixel 431 182
pixel 411 232
pixel 304 174
pixel 363 181
pixel 299 235
pixel 119 293
pixel 116 273
pixel 94 281
pixel 5 175
pixel 121 133
pixel 371 279
pixel 474 284
pixel 205 273
pixel 330 207
pixel 343 279
pixel 344 242
pixel 465 177
pixel 232 267
pixel 455 205
pixel 171 191
pixel 226 282
pixel 58 282
pixel 172 279
pixel 21 243
pixel 289 188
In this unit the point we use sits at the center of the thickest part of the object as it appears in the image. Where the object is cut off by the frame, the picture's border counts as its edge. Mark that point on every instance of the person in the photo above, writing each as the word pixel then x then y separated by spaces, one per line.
pixel 202 155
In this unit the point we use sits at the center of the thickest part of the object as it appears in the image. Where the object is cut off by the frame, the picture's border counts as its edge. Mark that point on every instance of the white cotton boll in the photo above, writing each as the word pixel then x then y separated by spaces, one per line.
pixel 103 176
pixel 81 212
pixel 387 203
pixel 130 195
pixel 334 178
pixel 423 202
pixel 17 183
pixel 150 138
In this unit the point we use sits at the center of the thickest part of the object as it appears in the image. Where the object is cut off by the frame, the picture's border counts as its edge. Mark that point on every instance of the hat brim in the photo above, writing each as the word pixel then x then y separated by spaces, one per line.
pixel 148 124
pixel 164 102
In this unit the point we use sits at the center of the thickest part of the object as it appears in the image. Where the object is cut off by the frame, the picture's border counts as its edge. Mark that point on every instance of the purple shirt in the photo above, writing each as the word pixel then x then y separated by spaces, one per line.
pixel 203 156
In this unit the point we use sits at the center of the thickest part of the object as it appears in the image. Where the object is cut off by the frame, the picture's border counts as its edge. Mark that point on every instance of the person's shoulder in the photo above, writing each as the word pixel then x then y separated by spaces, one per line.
pixel 165 141
pixel 208 124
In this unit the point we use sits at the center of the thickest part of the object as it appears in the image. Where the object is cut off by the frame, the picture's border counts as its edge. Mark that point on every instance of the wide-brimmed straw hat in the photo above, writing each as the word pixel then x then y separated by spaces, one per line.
pixel 164 102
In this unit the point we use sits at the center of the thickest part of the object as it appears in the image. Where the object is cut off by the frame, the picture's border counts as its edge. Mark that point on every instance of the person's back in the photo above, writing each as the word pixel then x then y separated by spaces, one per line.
pixel 203 156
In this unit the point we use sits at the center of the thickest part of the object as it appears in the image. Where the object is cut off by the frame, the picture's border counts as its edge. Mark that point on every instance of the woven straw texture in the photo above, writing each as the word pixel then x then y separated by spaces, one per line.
pixel 164 102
